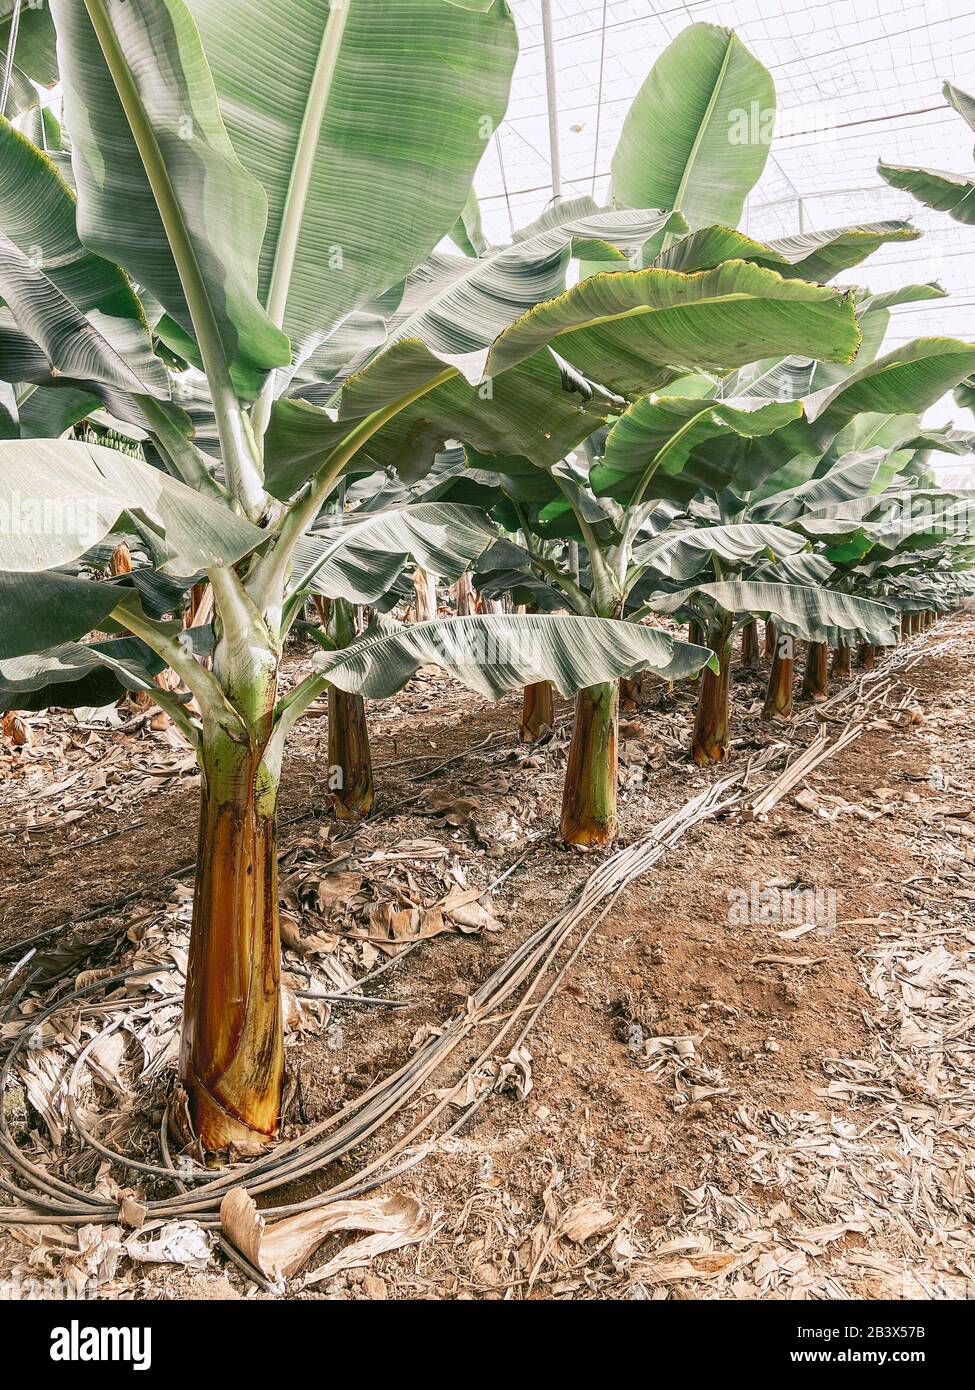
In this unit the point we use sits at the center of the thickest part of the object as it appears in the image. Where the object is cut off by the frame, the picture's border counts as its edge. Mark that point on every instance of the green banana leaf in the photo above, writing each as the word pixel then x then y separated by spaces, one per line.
pixel 365 141
pixel 360 557
pixel 497 653
pixel 161 191
pixel 697 134
pixel 810 613
pixel 58 497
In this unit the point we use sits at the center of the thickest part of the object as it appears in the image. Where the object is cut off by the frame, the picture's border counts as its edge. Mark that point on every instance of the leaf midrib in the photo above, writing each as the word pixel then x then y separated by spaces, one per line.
pixel 303 162
pixel 702 128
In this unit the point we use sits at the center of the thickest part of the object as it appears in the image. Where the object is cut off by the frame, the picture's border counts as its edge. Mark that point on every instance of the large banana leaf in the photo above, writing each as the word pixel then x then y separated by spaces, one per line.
pixel 457 307
pixel 852 476
pixel 790 378
pixel 815 256
pixel 359 558
pixel 810 613
pixel 41 610
pixel 682 554
pixel 80 310
pixel 59 497
pixel 909 379
pixel 625 330
pixel 74 675
pixel 364 128
pixel 52 402
pixel 495 654
pixel 610 326
pixel 525 412
pixel 651 446
pixel 683 144
pixel 34 59
pixel 806 569
pixel 160 188
pixel 83 347
pixel 38 215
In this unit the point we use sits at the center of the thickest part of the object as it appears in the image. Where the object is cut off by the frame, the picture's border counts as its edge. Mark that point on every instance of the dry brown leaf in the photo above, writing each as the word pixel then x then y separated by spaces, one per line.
pixel 586 1219
pixel 279 1250
pixel 335 890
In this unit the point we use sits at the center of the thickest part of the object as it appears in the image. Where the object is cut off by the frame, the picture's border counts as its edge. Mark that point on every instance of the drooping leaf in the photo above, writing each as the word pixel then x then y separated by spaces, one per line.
pixel 467 233
pixel 61 496
pixel 853 475
pixel 816 255
pixel 909 379
pixel 355 559
pixel 680 554
pixel 810 613
pixel 38 611
pixel 526 412
pixel 458 307
pixel 612 326
pixel 494 654
pixel 74 675
pixel 945 192
pixel 650 449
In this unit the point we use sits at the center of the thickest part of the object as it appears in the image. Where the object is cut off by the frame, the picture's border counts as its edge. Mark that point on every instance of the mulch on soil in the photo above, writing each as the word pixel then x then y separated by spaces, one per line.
pixel 719 1107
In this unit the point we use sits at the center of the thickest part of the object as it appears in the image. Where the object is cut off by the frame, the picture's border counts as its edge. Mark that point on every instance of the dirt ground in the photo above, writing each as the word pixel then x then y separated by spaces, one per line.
pixel 720 1106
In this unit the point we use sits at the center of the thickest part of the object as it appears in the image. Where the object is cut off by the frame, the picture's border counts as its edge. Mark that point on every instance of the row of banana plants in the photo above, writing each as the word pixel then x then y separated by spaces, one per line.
pixel 232 253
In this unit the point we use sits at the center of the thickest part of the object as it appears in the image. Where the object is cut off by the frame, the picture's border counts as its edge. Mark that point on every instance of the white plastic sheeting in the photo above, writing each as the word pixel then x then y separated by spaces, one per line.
pixel 856 80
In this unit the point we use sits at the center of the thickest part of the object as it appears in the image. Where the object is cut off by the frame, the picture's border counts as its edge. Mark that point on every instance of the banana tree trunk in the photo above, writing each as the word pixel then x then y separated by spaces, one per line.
pixel 866 657
pixel 695 633
pixel 711 740
pixel 815 678
pixel 349 755
pixel 425 596
pixel 464 595
pixel 778 701
pixel 537 710
pixel 769 639
pixel 589 797
pixel 749 645
pixel 905 626
pixel 841 661
pixel 629 693
pixel 232 1049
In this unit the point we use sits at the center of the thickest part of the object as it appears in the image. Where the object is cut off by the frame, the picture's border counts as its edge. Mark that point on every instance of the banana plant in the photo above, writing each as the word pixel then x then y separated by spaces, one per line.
pixel 675 449
pixel 256 219
pixel 294 330
pixel 255 214
pixel 630 327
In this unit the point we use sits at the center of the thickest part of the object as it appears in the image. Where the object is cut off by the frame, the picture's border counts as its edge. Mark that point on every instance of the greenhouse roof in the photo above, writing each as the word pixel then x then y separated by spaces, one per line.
pixel 856 80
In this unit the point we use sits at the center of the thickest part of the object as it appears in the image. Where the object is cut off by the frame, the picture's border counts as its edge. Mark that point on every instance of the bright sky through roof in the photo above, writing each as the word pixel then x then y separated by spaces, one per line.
pixel 856 80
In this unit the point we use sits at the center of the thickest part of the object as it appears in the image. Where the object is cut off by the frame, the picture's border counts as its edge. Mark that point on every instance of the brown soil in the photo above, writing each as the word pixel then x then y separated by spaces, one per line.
pixel 606 1118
